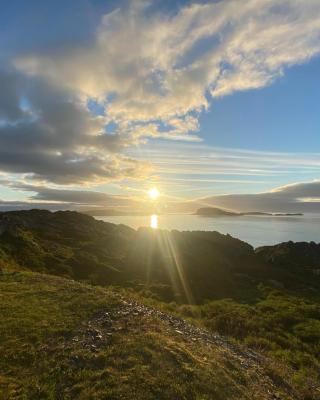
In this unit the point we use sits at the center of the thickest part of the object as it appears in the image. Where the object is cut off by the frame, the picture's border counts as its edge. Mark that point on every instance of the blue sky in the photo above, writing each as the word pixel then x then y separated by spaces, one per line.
pixel 281 117
pixel 198 98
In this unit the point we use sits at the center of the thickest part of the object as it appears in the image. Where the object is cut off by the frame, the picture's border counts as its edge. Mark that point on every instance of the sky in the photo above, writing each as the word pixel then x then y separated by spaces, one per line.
pixel 209 101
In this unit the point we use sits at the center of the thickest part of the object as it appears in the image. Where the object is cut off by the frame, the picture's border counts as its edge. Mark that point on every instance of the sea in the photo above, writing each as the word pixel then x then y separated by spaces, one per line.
pixel 255 230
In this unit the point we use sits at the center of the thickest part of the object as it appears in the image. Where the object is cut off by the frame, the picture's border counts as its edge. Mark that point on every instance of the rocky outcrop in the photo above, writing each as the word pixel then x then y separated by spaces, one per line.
pixel 290 254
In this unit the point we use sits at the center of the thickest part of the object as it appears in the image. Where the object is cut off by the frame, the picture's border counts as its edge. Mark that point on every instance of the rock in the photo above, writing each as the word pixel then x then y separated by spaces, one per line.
pixel 94 333
pixel 93 348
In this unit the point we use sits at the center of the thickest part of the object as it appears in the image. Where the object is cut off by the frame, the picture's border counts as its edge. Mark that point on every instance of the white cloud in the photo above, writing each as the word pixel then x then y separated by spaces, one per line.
pixel 152 73
pixel 298 197
pixel 162 67
pixel 200 159
pixel 295 197
pixel 54 137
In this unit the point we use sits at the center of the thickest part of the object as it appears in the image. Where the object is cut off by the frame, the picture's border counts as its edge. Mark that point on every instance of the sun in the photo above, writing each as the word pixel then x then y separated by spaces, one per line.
pixel 154 193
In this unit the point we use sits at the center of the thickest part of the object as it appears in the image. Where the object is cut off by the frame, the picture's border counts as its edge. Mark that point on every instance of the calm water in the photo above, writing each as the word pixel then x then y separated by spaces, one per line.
pixel 256 230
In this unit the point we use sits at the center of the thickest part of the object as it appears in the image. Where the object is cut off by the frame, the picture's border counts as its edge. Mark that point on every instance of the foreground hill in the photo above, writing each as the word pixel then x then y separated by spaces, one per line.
pixel 65 340
pixel 166 263
pixel 266 299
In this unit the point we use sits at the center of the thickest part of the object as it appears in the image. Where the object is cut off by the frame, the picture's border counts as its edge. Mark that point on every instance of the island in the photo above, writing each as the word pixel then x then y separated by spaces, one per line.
pixel 219 212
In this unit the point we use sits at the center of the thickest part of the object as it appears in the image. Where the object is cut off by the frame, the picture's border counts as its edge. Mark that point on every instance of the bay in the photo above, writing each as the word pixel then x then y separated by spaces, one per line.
pixel 256 230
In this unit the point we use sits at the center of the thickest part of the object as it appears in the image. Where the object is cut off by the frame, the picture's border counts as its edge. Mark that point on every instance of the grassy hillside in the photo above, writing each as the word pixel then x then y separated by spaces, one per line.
pixel 64 340
pixel 58 342
pixel 175 266
pixel 283 326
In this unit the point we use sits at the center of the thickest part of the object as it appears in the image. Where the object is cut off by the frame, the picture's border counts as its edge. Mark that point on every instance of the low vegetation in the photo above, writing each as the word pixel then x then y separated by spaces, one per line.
pixel 64 278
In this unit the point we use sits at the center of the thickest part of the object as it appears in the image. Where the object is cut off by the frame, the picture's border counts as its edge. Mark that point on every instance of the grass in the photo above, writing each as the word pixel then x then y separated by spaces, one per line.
pixel 282 325
pixel 40 317
pixel 36 310
pixel 272 309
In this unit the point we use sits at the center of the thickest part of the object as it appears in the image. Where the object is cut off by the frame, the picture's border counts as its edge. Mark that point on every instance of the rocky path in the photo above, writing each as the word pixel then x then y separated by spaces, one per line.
pixel 100 330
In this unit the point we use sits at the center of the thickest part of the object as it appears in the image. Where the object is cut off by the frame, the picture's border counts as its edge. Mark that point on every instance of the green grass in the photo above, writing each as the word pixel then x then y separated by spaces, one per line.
pixel 41 314
pixel 37 311
pixel 280 324
pixel 271 308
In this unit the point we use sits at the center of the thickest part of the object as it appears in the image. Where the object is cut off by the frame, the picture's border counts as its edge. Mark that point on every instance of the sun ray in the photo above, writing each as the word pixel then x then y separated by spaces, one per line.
pixel 154 221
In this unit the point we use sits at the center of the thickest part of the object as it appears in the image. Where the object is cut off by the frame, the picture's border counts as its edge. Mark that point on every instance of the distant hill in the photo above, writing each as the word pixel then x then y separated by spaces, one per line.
pixel 74 245
pixel 293 255
pixel 219 212
pixel 215 212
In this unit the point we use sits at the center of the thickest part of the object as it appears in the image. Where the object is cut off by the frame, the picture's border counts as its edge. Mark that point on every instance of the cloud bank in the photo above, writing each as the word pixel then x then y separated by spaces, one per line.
pixel 67 114
pixel 301 197
pixel 297 197
pixel 49 133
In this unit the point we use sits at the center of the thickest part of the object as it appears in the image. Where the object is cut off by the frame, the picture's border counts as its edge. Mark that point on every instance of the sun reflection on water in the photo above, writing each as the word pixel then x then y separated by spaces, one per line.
pixel 154 221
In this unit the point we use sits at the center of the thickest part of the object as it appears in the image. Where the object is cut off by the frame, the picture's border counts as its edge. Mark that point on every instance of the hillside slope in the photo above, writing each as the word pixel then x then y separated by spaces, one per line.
pixel 267 300
pixel 64 340
pixel 179 266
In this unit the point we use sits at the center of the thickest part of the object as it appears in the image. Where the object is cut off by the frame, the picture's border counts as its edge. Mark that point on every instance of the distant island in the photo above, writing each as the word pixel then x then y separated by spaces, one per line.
pixel 204 211
pixel 218 212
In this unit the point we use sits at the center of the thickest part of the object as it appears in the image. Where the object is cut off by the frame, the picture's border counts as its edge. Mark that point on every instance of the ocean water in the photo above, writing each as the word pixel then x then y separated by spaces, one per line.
pixel 256 230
